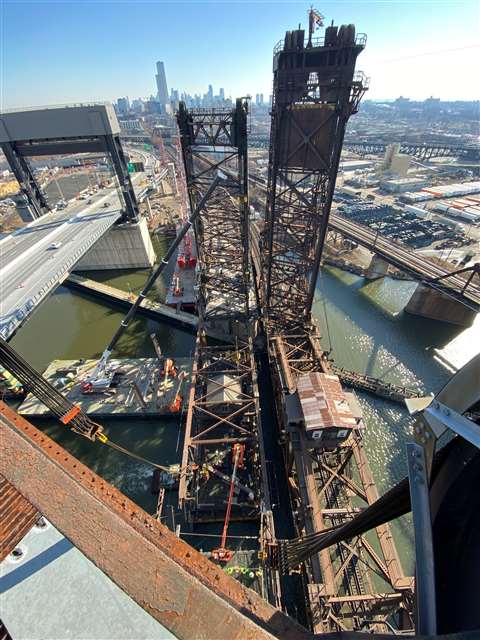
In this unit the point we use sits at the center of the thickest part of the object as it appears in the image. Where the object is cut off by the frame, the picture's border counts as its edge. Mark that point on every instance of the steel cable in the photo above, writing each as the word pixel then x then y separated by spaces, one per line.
pixel 34 383
pixel 391 505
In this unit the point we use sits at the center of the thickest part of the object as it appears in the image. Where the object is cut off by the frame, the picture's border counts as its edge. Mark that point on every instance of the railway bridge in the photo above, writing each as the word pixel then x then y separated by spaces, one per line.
pixel 419 150
pixel 453 296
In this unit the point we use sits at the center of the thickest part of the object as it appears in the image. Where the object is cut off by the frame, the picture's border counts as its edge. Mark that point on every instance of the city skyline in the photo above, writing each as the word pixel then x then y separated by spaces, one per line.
pixel 79 59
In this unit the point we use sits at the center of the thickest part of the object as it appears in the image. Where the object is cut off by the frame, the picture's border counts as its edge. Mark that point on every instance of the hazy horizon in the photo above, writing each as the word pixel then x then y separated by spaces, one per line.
pixel 62 52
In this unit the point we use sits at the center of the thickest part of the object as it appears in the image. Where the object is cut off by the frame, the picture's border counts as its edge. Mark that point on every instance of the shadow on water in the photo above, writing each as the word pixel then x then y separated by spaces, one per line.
pixel 371 333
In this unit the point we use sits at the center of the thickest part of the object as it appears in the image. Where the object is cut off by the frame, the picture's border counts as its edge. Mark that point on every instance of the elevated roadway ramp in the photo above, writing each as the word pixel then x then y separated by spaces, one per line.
pixel 39 257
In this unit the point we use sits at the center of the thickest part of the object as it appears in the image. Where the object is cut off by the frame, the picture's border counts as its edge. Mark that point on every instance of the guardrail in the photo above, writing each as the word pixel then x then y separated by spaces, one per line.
pixel 55 106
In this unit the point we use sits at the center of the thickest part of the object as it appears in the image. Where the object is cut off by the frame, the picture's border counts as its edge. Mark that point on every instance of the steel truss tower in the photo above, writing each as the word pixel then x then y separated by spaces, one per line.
pixel 315 90
pixel 215 140
pixel 223 403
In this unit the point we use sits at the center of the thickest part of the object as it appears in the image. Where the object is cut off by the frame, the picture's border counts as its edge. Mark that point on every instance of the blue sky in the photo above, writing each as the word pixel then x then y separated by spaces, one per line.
pixel 57 52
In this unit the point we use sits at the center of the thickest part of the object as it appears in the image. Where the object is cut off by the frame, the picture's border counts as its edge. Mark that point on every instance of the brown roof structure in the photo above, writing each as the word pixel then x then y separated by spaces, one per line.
pixel 323 402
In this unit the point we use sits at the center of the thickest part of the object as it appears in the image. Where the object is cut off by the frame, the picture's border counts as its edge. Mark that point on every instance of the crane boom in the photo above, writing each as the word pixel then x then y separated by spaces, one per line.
pixel 153 278
pixel 223 554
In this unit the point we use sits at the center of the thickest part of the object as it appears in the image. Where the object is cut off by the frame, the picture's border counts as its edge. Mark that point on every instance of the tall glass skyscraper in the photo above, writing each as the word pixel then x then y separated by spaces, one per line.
pixel 162 89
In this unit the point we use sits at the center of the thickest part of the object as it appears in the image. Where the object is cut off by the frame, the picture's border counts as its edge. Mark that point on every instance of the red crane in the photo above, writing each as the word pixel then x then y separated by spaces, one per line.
pixel 222 554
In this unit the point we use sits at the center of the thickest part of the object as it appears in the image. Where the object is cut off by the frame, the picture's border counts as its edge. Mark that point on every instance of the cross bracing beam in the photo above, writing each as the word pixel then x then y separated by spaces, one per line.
pixel 223 409
pixel 63 130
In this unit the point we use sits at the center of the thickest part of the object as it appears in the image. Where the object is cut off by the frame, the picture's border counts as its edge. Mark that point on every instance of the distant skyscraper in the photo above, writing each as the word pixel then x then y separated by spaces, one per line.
pixel 261 98
pixel 123 106
pixel 222 94
pixel 162 89
pixel 210 95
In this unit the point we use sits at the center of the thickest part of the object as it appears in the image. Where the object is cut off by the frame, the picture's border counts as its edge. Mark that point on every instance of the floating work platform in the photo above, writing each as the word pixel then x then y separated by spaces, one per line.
pixel 181 293
pixel 139 388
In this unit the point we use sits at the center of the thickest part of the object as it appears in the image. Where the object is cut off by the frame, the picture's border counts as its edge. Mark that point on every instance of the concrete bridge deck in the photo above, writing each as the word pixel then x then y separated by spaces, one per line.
pixel 30 268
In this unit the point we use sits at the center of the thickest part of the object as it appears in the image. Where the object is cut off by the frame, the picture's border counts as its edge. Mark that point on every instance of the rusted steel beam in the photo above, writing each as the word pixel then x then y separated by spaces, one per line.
pixel 175 584
pixel 182 487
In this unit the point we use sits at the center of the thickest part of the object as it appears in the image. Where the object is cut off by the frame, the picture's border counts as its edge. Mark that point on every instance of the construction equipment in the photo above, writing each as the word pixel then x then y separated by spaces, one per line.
pixel 33 382
pixel 99 371
pixel 68 413
pixel 156 346
pixel 225 478
pixel 222 554
pixel 176 404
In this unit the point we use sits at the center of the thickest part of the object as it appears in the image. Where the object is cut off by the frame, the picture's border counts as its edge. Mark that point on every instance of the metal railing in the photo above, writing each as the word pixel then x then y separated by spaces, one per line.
pixel 360 40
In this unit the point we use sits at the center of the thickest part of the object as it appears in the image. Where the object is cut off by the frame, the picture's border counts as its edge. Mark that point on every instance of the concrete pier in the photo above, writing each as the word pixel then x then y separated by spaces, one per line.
pixel 431 303
pixel 125 246
pixel 378 268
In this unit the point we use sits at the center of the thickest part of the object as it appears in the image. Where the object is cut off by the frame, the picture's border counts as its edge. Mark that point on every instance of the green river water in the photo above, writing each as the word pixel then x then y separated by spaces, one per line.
pixel 362 323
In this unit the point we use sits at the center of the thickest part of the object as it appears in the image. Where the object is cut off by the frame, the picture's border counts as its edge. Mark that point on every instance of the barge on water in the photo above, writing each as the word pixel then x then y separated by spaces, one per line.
pixel 132 387
pixel 181 293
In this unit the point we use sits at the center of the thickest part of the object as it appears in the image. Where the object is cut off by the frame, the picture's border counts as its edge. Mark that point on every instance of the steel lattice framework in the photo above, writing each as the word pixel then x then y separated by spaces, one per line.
pixel 315 91
pixel 223 410
pixel 223 403
pixel 216 140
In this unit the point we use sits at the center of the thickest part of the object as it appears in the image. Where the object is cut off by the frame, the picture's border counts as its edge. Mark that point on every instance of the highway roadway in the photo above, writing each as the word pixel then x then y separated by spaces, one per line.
pixel 31 268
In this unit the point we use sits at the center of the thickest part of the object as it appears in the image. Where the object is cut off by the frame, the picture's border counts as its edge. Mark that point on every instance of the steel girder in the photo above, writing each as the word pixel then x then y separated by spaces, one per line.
pixel 25 178
pixel 17 154
pixel 173 582
pixel 421 151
